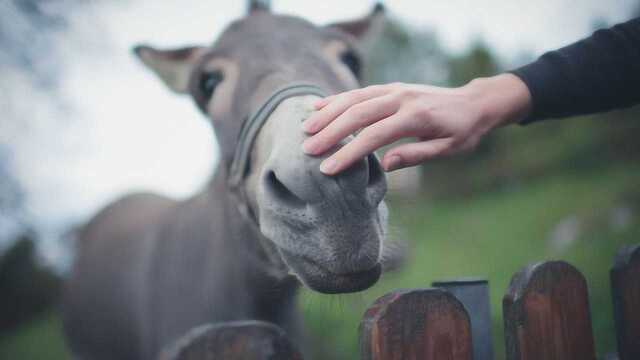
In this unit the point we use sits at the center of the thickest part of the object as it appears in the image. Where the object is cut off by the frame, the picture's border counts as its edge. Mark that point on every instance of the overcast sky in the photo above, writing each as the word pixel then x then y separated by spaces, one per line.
pixel 127 132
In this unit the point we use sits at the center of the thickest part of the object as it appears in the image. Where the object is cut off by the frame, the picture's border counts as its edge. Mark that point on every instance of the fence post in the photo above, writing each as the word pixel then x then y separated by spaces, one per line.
pixel 425 324
pixel 237 340
pixel 625 288
pixel 546 314
pixel 473 293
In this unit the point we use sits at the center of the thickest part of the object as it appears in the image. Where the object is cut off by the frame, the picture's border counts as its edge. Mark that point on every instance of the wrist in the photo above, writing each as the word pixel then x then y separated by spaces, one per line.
pixel 502 99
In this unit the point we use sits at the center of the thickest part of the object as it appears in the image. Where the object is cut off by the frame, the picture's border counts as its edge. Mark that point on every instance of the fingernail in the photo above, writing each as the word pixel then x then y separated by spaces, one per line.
pixel 394 163
pixel 319 103
pixel 328 166
pixel 308 146
pixel 307 126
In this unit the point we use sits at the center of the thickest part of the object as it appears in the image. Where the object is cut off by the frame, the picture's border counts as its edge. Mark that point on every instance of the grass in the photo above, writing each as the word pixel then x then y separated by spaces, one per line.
pixel 492 235
pixel 37 340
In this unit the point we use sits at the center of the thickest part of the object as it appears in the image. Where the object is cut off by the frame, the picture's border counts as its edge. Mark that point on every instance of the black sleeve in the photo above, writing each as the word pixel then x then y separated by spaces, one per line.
pixel 597 74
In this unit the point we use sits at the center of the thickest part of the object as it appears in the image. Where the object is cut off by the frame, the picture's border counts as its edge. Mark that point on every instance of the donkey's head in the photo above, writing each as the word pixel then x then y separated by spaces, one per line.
pixel 328 230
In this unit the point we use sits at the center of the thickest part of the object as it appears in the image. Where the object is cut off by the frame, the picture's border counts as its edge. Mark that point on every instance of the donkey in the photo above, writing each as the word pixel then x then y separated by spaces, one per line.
pixel 149 268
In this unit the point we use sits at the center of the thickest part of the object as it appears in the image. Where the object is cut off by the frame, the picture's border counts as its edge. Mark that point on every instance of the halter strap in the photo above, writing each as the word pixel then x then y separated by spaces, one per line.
pixel 240 163
pixel 252 126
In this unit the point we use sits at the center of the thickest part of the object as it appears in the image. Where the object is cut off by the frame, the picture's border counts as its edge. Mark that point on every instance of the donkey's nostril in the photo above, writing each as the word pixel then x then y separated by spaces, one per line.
pixel 377 186
pixel 375 170
pixel 279 191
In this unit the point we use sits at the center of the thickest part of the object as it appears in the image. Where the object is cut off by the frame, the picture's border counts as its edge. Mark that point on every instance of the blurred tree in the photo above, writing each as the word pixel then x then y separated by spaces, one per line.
pixel 30 66
pixel 28 29
pixel 258 4
pixel 31 28
pixel 36 44
pixel 11 196
pixel 27 287
pixel 11 201
pixel 24 31
pixel 405 54
pixel 34 52
pixel 479 61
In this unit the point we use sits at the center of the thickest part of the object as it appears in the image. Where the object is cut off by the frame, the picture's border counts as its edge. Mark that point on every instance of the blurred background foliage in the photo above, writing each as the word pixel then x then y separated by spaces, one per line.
pixel 562 189
pixel 28 288
pixel 555 190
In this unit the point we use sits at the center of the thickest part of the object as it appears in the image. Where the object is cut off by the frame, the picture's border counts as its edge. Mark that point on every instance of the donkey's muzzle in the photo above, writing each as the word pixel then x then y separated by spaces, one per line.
pixel 329 229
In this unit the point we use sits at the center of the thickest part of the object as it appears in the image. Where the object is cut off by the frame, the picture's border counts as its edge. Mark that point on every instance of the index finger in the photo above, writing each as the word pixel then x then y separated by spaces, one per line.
pixel 339 103
pixel 366 142
pixel 355 118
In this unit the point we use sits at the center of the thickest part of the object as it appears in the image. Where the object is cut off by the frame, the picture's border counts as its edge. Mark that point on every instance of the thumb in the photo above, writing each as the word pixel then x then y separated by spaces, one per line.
pixel 411 154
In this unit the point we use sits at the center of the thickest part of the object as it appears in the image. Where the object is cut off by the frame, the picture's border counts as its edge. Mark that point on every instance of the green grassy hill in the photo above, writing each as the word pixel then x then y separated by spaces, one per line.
pixel 493 235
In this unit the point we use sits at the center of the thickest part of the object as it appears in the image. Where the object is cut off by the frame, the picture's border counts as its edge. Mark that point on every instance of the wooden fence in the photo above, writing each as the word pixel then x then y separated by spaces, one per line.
pixel 546 316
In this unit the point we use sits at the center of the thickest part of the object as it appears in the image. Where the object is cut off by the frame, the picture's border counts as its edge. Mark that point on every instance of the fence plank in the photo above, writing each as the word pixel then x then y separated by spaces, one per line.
pixel 625 287
pixel 546 314
pixel 238 340
pixel 425 324
pixel 473 293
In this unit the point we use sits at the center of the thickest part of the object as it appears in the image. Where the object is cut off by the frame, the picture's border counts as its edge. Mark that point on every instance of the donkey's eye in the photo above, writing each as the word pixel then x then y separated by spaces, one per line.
pixel 352 61
pixel 209 81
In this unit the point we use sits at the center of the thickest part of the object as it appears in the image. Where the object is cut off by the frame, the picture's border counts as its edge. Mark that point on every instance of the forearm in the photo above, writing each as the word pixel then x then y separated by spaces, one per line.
pixel 597 74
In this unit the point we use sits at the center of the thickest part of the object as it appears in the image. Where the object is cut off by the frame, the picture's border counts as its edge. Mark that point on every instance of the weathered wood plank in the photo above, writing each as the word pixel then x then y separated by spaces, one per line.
pixel 473 293
pixel 239 340
pixel 625 287
pixel 546 314
pixel 425 324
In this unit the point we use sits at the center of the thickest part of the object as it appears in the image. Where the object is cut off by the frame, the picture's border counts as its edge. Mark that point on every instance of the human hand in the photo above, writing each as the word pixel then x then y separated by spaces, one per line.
pixel 444 121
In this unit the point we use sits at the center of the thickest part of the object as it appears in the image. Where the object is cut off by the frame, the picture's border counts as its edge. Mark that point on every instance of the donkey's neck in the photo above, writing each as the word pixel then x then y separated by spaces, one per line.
pixel 241 230
pixel 269 283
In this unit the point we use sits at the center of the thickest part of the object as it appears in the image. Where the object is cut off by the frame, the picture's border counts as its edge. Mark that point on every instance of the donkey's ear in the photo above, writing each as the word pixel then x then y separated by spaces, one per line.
pixel 365 28
pixel 172 66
